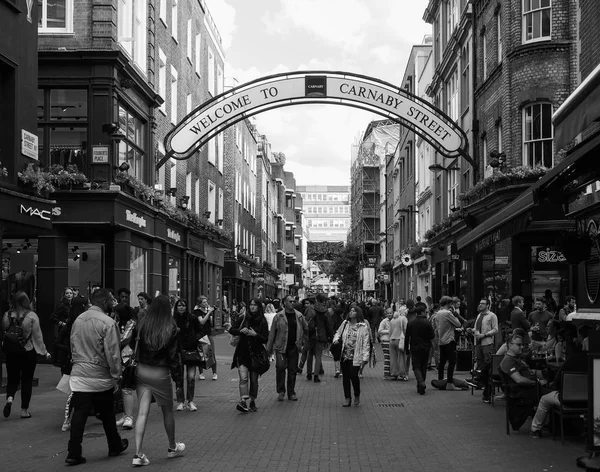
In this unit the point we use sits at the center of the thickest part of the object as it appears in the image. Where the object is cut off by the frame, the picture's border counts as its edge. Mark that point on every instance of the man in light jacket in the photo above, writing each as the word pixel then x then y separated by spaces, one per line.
pixel 486 327
pixel 288 334
pixel 96 355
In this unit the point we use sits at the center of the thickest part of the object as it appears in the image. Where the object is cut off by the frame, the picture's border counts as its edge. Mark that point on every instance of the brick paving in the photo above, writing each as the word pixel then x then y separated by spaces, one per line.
pixel 393 428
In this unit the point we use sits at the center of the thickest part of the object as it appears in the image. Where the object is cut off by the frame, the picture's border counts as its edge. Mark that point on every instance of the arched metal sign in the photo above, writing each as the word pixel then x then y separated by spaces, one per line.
pixel 295 88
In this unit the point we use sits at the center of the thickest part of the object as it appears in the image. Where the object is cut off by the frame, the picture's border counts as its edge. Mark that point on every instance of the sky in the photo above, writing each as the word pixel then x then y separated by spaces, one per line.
pixel 370 37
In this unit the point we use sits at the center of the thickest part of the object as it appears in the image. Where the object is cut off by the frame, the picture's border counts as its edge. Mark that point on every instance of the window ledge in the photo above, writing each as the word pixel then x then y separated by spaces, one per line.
pixel 63 34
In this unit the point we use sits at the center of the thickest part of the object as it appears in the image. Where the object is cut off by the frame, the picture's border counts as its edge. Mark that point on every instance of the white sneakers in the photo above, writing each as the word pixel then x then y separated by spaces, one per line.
pixel 202 377
pixel 192 406
pixel 140 460
pixel 120 422
pixel 128 423
pixel 179 448
pixel 171 453
pixel 180 407
pixel 215 376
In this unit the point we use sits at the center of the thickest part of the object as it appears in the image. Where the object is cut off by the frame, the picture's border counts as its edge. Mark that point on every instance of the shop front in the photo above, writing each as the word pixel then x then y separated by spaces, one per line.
pixel 212 275
pixel 237 278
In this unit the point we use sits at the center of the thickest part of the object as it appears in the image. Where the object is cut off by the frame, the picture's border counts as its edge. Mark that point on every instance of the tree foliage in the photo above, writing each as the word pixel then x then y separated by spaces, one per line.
pixel 345 267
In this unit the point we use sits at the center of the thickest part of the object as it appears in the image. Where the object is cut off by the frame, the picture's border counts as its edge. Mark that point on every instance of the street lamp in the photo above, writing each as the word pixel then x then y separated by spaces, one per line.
pixel 436 167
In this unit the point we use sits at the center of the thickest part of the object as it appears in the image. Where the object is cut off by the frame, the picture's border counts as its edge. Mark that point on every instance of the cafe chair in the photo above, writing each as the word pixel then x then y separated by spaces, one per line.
pixel 495 380
pixel 574 399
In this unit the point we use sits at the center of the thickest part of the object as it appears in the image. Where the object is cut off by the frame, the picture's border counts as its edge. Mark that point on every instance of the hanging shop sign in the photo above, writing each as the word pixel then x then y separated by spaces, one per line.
pixel 548 258
pixel 295 88
pixel 368 278
pixel 29 144
pixel 99 154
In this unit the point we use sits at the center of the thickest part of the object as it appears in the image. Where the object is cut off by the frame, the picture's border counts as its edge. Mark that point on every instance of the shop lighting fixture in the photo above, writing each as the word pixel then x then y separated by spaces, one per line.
pixel 8 245
pixel 18 251
pixel 75 249
pixel 76 257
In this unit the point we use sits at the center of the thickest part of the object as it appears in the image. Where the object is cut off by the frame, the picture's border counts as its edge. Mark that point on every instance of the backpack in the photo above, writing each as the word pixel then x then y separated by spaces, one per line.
pixel 14 340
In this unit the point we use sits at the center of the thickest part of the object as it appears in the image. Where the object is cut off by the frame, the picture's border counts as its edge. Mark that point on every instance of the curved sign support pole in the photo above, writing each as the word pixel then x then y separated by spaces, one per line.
pixel 320 87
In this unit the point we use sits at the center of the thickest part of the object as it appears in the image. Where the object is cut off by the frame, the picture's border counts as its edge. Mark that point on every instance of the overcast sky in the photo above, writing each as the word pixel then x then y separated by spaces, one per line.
pixel 370 37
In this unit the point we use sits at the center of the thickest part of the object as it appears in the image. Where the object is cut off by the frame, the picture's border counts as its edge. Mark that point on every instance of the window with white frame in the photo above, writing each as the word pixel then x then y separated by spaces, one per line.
pixel 437 51
pixel 499 135
pixel 174 19
pixel 537 15
pixel 173 95
pixel 197 196
pixel 162 11
pixel 173 180
pixel 537 135
pixel 197 63
pixel 211 72
pixel 220 147
pixel 452 96
pixel 499 35
pixel 132 31
pixel 464 80
pixel 452 176
pixel 212 201
pixel 189 44
pixel 55 17
pixel 221 203
pixel 212 151
pixel 162 79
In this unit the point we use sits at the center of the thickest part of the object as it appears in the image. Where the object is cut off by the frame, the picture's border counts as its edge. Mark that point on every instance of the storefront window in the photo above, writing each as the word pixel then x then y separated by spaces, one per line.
pixel 497 274
pixel 550 272
pixel 137 272
pixel 85 266
pixel 174 282
pixel 131 149
pixel 19 270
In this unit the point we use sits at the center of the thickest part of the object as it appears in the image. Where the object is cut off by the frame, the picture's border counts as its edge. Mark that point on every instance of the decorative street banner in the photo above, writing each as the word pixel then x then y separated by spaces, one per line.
pixel 339 88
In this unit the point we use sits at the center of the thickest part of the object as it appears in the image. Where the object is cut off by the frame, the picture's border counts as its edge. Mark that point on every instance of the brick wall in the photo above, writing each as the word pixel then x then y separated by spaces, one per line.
pixel 588 36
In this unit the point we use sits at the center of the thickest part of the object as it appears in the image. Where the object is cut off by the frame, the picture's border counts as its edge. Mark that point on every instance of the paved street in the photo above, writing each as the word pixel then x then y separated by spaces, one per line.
pixel 393 428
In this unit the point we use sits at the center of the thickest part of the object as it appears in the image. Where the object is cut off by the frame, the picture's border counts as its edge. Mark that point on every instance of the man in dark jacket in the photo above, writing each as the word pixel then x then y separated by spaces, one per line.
pixel 374 316
pixel 309 348
pixel 417 343
pixel 518 318
pixel 324 332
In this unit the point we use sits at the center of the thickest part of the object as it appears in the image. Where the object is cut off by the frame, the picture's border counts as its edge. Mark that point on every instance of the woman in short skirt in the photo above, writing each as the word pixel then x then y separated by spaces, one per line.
pixel 158 364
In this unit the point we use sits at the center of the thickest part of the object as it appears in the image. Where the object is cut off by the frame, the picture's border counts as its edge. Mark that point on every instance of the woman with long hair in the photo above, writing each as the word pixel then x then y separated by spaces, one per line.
pixel 270 314
pixel 384 336
pixel 398 367
pixel 60 316
pixel 189 331
pixel 158 364
pixel 253 332
pixel 355 338
pixel 21 363
pixel 62 345
pixel 204 312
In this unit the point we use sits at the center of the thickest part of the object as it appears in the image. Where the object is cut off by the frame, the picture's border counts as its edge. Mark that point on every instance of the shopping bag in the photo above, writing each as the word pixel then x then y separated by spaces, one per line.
pixel 64 385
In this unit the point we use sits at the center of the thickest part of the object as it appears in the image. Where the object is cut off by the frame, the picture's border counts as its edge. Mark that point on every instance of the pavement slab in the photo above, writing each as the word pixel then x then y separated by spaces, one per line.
pixel 393 428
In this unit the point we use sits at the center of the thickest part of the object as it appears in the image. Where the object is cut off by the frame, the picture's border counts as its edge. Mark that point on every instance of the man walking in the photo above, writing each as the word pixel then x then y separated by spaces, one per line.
pixel 323 332
pixel 446 324
pixel 287 336
pixel 96 356
pixel 486 327
pixel 374 316
pixel 417 343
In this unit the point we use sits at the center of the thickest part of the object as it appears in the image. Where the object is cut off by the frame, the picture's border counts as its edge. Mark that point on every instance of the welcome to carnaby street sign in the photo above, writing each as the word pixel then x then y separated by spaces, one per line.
pixel 295 88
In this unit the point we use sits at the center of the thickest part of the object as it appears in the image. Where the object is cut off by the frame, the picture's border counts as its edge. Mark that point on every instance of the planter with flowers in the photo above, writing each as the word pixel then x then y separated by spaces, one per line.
pixel 48 181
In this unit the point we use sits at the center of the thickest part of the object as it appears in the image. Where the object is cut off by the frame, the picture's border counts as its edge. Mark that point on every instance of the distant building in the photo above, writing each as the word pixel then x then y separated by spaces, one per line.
pixel 326 211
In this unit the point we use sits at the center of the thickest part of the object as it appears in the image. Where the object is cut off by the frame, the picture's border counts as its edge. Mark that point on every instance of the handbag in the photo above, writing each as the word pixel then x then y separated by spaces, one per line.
pixel 336 347
pixel 130 370
pixel 235 339
pixel 191 357
pixel 64 384
pixel 259 360
pixel 208 355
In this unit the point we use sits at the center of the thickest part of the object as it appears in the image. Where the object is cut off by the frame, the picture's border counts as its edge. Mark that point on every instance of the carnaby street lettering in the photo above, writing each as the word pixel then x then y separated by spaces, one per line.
pixel 370 94
pixel 292 88
pixel 135 219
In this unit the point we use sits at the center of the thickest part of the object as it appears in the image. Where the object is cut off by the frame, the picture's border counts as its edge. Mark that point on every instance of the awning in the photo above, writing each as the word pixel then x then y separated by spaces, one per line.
pixel 578 111
pixel 521 204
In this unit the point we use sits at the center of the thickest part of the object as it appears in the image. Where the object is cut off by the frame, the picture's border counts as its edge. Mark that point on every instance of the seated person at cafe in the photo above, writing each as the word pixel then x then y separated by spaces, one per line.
pixel 522 383
pixel 577 361
pixel 553 328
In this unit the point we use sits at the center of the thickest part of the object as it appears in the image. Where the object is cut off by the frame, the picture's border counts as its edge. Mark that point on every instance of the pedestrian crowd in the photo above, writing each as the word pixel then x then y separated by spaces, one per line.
pixel 112 355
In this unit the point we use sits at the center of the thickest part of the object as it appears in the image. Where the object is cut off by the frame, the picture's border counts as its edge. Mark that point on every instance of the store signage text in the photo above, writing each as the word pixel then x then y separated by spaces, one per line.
pixel 487 241
pixel 42 214
pixel 135 219
pixel 99 154
pixel 29 144
pixel 549 256
pixel 367 93
pixel 174 235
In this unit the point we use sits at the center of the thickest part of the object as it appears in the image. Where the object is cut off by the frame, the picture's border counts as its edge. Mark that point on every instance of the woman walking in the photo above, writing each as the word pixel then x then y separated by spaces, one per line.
pixel 21 359
pixel 204 312
pixel 397 355
pixel 158 364
pixel 254 333
pixel 354 336
pixel 384 337
pixel 60 316
pixel 62 345
pixel 189 331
